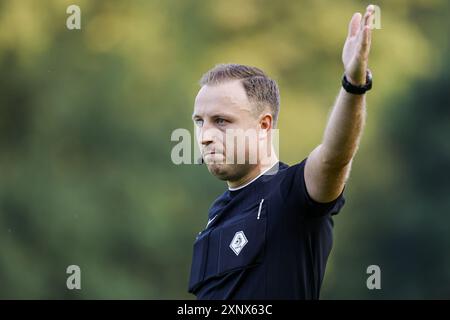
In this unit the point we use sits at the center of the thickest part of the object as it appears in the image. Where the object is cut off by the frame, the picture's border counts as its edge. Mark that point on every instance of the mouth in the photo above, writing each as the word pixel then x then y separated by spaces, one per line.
pixel 213 155
pixel 209 154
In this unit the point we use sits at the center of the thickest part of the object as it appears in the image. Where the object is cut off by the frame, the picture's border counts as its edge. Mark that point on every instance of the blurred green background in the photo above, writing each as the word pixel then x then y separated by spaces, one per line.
pixel 86 117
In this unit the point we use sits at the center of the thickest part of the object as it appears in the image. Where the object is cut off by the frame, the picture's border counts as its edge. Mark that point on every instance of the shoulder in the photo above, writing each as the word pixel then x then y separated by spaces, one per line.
pixel 293 188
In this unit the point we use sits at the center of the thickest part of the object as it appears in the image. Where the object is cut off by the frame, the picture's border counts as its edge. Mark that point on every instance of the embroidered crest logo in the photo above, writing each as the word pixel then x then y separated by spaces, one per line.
pixel 238 243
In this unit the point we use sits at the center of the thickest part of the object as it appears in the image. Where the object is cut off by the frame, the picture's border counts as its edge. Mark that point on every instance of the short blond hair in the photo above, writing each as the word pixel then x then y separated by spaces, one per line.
pixel 260 89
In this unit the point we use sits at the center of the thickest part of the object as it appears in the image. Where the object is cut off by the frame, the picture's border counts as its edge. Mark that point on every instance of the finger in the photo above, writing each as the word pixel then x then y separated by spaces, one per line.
pixel 368 17
pixel 365 41
pixel 354 24
pixel 364 21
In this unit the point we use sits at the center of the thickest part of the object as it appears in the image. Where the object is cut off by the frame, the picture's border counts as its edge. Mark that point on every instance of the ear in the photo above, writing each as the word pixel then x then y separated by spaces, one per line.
pixel 265 126
pixel 266 122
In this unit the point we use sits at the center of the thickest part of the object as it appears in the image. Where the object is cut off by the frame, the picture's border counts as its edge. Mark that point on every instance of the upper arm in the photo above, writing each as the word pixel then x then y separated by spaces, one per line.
pixel 324 181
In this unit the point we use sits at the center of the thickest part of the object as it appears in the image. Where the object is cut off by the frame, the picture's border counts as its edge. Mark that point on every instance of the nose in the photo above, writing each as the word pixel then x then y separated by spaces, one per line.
pixel 208 134
pixel 206 137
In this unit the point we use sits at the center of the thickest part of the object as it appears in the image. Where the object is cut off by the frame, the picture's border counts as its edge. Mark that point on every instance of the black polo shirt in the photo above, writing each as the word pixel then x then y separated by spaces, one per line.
pixel 267 240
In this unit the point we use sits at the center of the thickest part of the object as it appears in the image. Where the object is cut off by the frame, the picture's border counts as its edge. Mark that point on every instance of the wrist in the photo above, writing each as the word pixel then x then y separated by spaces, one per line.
pixel 356 81
pixel 357 87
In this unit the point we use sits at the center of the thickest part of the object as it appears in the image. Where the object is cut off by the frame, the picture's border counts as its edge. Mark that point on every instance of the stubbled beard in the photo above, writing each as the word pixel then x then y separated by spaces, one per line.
pixel 229 172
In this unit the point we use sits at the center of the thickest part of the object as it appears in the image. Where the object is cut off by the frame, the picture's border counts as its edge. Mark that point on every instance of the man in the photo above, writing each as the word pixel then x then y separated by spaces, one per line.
pixel 270 234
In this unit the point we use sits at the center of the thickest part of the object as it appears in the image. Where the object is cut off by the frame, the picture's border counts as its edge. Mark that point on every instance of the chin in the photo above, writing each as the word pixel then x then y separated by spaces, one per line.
pixel 219 170
pixel 229 172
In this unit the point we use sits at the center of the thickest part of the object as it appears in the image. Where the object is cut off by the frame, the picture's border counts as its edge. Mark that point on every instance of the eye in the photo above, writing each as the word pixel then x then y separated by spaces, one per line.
pixel 198 122
pixel 221 121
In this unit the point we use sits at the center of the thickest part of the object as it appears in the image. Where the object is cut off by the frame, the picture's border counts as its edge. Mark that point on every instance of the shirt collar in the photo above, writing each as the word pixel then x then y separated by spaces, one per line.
pixel 253 180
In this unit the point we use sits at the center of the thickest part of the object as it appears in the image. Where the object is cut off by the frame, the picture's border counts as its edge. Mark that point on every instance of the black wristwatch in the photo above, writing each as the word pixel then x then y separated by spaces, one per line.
pixel 350 88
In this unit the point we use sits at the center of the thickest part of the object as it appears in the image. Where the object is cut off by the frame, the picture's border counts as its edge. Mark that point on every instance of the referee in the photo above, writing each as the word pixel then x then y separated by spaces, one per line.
pixel 270 234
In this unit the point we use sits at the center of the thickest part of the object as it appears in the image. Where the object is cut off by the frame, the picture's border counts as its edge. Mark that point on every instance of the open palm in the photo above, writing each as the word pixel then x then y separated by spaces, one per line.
pixel 356 50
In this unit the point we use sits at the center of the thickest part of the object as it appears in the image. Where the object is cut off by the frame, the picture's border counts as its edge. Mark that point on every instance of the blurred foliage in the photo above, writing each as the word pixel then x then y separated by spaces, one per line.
pixel 86 117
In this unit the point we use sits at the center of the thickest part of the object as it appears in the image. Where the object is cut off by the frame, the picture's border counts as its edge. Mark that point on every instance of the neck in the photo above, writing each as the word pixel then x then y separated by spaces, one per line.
pixel 262 167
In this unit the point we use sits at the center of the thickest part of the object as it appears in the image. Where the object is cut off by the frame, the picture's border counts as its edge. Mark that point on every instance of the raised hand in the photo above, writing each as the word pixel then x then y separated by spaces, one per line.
pixel 355 54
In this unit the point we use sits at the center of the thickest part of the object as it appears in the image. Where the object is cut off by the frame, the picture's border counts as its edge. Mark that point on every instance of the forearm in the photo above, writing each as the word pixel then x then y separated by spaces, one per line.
pixel 328 165
pixel 344 129
pixel 346 122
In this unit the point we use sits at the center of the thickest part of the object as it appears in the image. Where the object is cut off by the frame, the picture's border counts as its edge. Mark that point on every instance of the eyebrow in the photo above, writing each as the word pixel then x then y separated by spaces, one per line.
pixel 217 115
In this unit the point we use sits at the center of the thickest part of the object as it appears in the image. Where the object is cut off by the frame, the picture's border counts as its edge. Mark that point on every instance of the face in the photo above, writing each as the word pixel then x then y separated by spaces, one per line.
pixel 220 109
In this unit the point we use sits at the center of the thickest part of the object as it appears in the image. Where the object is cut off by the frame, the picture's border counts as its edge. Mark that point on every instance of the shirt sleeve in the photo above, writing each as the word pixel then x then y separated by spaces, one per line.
pixel 296 194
